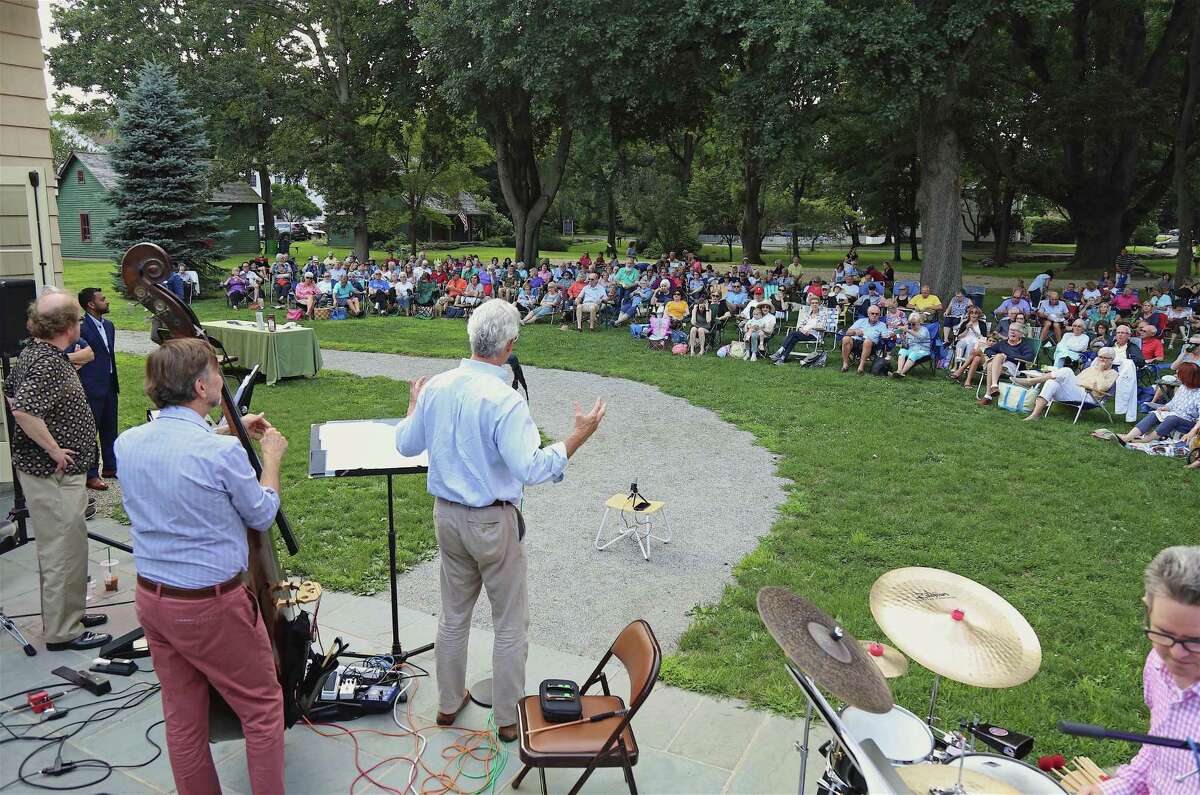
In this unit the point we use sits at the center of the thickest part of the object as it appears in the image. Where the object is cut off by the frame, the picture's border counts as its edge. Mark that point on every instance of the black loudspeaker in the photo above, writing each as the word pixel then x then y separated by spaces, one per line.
pixel 15 297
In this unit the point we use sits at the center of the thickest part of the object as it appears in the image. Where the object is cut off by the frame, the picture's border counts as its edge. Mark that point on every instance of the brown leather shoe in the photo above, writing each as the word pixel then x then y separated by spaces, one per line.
pixel 96 484
pixel 447 718
pixel 507 733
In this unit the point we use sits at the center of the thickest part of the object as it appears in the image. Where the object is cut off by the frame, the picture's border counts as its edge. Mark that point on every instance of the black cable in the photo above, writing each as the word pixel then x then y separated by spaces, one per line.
pixel 130 701
pixel 98 607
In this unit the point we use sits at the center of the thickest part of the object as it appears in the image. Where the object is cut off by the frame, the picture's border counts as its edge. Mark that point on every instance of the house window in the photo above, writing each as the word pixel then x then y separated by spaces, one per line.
pixel 79 176
pixel 253 180
pixel 85 228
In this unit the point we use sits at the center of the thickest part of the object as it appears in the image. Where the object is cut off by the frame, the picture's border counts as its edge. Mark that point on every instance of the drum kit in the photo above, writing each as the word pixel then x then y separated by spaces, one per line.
pixel 950 625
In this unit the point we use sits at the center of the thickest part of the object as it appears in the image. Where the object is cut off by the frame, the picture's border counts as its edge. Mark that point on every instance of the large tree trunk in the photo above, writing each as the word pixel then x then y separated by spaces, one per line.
pixel 752 212
pixel 894 232
pixel 268 207
pixel 361 239
pixel 611 196
pixel 1183 138
pixel 852 228
pixel 1099 236
pixel 1002 231
pixel 940 194
pixel 528 190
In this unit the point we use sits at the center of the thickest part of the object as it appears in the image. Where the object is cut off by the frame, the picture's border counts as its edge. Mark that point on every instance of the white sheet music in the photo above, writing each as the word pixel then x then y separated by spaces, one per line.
pixel 363 445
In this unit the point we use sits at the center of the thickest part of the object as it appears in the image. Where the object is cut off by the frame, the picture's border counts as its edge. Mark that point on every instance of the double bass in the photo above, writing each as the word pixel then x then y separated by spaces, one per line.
pixel 143 269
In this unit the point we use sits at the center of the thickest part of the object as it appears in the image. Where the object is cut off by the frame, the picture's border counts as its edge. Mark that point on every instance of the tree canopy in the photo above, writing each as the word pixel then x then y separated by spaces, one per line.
pixel 929 118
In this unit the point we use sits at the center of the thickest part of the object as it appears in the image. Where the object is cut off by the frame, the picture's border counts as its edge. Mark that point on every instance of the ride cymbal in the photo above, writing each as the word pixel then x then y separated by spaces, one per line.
pixel 823 650
pixel 891 662
pixel 927 777
pixel 955 627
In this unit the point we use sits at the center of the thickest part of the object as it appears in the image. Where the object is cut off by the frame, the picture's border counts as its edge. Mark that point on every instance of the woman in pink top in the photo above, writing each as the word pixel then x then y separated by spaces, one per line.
pixel 306 295
pixel 1126 301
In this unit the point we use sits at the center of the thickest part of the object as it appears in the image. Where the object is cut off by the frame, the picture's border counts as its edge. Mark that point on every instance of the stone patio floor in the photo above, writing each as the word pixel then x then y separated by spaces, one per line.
pixel 690 743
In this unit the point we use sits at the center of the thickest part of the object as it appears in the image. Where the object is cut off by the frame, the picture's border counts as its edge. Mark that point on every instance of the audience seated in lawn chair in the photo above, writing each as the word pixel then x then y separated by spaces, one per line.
pixel 812 323
pixel 307 296
pixel 551 302
pixel 926 302
pixel 862 339
pixel 1063 385
pixel 1003 357
pixel 1052 314
pixel 968 336
pixel 1073 344
pixel 1179 416
pixel 916 345
pixel 591 298
pixel 346 297
pixel 757 330
pixel 235 289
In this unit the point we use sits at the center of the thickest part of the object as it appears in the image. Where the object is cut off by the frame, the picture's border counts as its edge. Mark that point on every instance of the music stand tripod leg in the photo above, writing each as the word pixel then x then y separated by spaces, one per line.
pixel 8 626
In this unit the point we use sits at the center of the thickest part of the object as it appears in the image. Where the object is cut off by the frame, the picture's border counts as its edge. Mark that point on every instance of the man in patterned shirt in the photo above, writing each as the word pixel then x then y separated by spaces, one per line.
pixel 53 447
pixel 1170 679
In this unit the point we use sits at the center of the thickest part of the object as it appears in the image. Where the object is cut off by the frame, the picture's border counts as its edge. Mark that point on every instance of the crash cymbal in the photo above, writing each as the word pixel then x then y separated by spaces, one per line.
pixel 955 627
pixel 891 662
pixel 823 650
pixel 927 776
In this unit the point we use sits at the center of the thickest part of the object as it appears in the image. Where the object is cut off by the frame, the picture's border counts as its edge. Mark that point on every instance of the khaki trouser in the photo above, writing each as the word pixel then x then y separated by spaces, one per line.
pixel 56 505
pixel 480 546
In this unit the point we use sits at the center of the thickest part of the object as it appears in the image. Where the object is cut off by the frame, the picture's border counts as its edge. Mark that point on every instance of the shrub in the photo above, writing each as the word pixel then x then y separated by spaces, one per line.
pixel 1051 230
pixel 1145 234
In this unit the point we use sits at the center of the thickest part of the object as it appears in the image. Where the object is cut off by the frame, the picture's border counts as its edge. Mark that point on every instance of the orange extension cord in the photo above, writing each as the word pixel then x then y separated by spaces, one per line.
pixel 473 745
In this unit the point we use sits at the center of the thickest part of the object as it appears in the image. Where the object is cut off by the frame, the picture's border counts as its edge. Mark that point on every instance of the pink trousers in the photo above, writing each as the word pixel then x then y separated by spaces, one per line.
pixel 219 641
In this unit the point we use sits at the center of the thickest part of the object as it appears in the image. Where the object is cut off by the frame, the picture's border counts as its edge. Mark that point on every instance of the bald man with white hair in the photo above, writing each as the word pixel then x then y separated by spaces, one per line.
pixel 484 448
pixel 53 447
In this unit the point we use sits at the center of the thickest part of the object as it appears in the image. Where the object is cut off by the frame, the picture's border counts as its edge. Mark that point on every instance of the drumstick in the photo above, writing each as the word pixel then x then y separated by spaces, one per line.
pixel 1092 767
pixel 616 713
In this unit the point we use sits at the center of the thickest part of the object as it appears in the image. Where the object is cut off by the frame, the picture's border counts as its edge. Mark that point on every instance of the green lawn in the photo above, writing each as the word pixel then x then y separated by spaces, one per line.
pixel 882 475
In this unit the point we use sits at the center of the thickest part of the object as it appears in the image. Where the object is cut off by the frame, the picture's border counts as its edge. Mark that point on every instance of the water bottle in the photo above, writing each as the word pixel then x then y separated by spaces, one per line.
pixel 91 589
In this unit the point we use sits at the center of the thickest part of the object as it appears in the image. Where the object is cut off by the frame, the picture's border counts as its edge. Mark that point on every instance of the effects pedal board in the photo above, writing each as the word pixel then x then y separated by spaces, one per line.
pixel 343 687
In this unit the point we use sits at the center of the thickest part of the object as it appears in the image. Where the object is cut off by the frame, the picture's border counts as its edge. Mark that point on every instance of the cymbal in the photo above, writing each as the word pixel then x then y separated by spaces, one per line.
pixel 823 650
pixel 956 627
pixel 891 662
pixel 927 776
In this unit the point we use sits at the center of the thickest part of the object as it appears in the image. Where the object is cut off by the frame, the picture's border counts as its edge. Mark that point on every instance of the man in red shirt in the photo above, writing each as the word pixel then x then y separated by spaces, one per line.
pixel 1152 346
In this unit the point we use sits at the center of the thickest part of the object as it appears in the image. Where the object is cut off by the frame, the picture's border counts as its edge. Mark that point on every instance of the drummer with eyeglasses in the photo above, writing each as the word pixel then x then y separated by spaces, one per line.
pixel 1170 679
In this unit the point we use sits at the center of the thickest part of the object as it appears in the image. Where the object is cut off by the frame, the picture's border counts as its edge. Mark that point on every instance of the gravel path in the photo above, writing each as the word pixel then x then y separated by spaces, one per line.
pixel 720 487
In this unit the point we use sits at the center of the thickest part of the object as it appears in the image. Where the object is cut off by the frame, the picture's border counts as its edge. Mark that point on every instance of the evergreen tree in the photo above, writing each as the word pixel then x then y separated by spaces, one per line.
pixel 160 157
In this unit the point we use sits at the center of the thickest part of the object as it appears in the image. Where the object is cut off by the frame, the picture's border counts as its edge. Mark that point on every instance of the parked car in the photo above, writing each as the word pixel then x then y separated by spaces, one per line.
pixel 315 230
pixel 296 231
pixel 1170 242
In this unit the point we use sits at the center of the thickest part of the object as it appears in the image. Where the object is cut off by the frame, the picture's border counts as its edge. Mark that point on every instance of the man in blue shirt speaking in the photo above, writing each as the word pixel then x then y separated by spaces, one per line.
pixel 484 448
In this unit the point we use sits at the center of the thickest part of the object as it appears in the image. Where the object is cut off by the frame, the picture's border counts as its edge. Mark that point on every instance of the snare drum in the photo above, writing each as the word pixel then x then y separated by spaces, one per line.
pixel 903 738
pixel 1023 777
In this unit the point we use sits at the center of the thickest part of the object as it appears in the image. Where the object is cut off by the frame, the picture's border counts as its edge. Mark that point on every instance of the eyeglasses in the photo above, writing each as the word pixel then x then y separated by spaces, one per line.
pixel 1190 645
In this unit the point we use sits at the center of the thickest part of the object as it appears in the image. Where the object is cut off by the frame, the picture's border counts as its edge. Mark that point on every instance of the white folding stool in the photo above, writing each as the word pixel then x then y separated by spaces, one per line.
pixel 641 531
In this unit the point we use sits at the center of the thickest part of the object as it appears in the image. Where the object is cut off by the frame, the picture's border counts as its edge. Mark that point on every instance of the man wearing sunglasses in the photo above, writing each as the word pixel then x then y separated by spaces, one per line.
pixel 1170 679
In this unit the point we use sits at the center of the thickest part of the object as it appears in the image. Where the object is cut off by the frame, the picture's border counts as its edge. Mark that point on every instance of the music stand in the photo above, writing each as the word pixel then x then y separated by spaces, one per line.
pixel 364 448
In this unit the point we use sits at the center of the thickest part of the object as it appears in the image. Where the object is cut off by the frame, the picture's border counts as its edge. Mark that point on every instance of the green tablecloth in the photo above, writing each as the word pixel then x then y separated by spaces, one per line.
pixel 279 354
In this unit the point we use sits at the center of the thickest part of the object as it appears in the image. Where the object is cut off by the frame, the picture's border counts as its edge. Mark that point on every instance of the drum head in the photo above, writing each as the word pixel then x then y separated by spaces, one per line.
pixel 1015 773
pixel 901 736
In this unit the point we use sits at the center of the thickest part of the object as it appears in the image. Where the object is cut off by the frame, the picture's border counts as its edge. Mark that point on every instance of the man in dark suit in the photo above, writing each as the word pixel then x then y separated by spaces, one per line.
pixel 99 379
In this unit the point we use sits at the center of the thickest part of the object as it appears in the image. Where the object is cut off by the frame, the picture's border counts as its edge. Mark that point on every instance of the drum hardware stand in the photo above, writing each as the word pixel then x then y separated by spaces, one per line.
pixel 802 746
pixel 933 697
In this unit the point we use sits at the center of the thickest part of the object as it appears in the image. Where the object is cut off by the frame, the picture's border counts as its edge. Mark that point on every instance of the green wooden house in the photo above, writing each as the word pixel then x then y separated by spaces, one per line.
pixel 85 209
